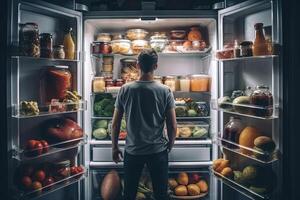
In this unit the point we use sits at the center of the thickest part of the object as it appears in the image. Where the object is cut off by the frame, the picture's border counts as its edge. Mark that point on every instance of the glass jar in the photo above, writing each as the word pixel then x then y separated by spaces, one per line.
pixel 99 84
pixel 29 40
pixel 62 170
pixel 136 34
pixel 158 44
pixel 117 36
pixel 203 109
pixel 56 81
pixel 129 71
pixel 101 48
pixel 260 46
pixel 177 34
pixel 170 82
pixel 232 132
pixel 107 68
pixel 46 45
pixel 158 79
pixel 139 45
pixel 108 60
pixel 119 82
pixel 158 35
pixel 121 46
pixel 177 83
pixel 58 52
pixel 246 49
pixel 200 83
pixel 262 97
pixel 109 82
pixel 185 84
pixel 194 34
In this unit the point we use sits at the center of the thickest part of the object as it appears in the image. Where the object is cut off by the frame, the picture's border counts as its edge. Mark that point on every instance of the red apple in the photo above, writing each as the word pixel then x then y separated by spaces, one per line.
pixel 26 182
pixel 48 181
pixel 79 169
pixel 73 170
pixel 45 146
pixel 194 178
pixel 38 148
pixel 31 144
pixel 39 175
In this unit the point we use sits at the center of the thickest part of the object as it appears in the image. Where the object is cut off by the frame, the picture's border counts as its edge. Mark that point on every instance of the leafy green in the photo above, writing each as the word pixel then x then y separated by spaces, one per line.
pixel 104 107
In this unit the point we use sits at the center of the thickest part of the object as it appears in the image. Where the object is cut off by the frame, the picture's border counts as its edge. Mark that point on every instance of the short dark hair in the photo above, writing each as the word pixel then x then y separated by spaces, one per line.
pixel 147 60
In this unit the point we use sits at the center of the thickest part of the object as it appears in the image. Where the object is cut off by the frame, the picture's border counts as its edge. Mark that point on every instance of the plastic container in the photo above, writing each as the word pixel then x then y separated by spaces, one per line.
pixel 103 37
pixel 225 53
pixel 99 84
pixel 158 35
pixel 192 130
pixel 158 44
pixel 177 34
pixel 200 83
pixel 129 71
pixel 121 46
pixel 136 34
pixel 139 45
pixel 170 82
pixel 173 44
pixel 185 84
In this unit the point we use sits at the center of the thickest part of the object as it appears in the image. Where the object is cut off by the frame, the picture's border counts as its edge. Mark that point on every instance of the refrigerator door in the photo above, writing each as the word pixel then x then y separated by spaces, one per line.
pixel 236 23
pixel 24 85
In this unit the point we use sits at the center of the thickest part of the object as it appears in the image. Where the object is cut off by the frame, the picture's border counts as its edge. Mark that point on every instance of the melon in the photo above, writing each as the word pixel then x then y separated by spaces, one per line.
pixel 111 186
pixel 247 138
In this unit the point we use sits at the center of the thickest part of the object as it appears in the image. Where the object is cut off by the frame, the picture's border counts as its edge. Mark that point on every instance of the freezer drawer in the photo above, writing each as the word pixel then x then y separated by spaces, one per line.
pixel 190 154
pixel 103 154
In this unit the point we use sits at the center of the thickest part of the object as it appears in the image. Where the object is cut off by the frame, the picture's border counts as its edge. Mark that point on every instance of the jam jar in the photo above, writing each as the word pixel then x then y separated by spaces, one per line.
pixel 29 40
pixel 46 45
pixel 262 97
pixel 232 132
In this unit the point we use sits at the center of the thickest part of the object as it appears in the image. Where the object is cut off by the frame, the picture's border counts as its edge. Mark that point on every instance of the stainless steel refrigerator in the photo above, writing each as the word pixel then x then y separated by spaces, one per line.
pixel 219 28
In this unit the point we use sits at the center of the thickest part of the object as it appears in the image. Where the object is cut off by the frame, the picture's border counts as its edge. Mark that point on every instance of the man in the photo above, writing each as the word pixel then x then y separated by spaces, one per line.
pixel 147 106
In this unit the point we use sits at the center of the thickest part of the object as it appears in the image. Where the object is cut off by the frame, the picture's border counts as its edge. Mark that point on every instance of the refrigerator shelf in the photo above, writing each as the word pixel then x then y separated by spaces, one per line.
pixel 259 156
pixel 46 110
pixel 250 58
pixel 28 58
pixel 192 118
pixel 52 187
pixel 238 187
pixel 28 155
pixel 177 142
pixel 246 110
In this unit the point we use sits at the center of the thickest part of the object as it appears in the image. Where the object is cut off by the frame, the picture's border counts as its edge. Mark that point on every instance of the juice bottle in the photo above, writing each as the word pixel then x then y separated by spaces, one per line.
pixel 69 46
pixel 260 46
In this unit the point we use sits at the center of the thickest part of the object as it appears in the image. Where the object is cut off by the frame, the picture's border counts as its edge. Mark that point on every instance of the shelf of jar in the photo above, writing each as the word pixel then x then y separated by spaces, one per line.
pixel 249 58
pixel 32 154
pixel 239 187
pixel 47 189
pixel 46 110
pixel 177 142
pixel 44 59
pixel 251 153
pixel 247 110
pixel 178 118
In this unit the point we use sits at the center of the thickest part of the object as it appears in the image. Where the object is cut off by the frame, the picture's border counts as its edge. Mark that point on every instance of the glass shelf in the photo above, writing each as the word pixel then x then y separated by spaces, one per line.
pixel 250 58
pixel 238 187
pixel 60 108
pixel 192 118
pixel 26 155
pixel 177 142
pixel 52 187
pixel 43 59
pixel 246 110
pixel 259 156
pixel 99 117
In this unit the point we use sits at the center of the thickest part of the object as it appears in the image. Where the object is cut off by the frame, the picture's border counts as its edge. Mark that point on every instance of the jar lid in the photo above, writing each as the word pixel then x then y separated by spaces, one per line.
pixel 258 25
pixel 101 42
pixel 128 60
pixel 46 34
pixel 99 77
pixel 199 75
pixel 158 40
pixel 109 80
pixel 170 77
pixel 137 30
pixel 121 40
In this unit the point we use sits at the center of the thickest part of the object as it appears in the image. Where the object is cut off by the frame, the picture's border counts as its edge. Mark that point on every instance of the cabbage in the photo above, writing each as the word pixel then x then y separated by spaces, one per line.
pixel 100 124
pixel 192 113
pixel 100 133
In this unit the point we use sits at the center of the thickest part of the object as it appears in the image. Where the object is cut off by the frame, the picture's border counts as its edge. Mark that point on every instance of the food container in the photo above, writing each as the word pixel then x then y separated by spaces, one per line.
pixel 170 82
pixel 203 109
pixel 173 44
pixel 246 48
pixel 46 44
pixel 107 75
pixel 117 36
pixel 177 34
pixel 121 46
pixel 99 84
pixel 192 130
pixel 262 97
pixel 139 45
pixel 177 83
pixel 129 71
pixel 29 39
pixel 158 79
pixel 107 68
pixel 185 84
pixel 59 52
pixel 158 44
pixel 225 54
pixel 158 35
pixel 103 37
pixel 109 82
pixel 194 34
pixel 108 60
pixel 101 48
pixel 136 34
pixel 200 83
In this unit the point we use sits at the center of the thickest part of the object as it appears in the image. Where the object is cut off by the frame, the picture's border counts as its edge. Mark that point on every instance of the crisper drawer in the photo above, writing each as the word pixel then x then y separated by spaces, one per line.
pixel 190 154
pixel 103 154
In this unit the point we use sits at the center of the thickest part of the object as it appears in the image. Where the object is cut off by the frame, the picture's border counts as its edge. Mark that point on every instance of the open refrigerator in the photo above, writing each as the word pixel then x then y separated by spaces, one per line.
pixel 93 152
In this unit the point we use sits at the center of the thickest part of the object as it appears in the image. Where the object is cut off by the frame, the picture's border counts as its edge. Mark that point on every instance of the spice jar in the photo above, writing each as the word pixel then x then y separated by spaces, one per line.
pixel 62 170
pixel 29 40
pixel 46 45
pixel 262 97
pixel 99 84
pixel 119 82
pixel 58 52
pixel 246 49
pixel 170 82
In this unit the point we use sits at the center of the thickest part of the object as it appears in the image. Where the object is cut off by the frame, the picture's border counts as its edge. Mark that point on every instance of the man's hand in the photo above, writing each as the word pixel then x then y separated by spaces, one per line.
pixel 117 155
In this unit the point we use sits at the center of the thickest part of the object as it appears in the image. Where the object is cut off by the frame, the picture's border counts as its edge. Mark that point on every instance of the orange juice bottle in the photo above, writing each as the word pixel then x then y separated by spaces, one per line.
pixel 69 46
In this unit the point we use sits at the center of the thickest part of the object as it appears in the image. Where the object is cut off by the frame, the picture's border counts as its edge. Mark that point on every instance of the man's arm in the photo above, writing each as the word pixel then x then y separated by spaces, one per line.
pixel 171 127
pixel 116 123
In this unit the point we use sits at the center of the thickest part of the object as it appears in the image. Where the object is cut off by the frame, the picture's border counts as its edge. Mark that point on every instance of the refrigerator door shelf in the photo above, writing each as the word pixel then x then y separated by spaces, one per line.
pixel 62 148
pixel 238 187
pixel 259 156
pixel 52 187
pixel 46 110
pixel 34 59
pixel 250 58
pixel 246 110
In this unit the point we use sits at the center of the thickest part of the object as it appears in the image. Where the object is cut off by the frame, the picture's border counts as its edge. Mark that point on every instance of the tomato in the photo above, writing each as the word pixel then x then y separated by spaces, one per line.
pixel 48 181
pixel 26 182
pixel 122 135
pixel 45 146
pixel 79 169
pixel 39 175
pixel 38 148
pixel 73 170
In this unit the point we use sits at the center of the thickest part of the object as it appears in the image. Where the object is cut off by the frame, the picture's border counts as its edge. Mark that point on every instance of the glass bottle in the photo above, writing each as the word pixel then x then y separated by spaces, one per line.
pixel 237 50
pixel 262 97
pixel 232 132
pixel 29 40
pixel 69 46
pixel 46 44
pixel 260 46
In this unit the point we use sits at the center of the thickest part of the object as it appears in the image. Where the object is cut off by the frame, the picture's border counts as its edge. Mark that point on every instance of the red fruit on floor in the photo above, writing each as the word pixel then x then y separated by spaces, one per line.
pixel 48 181
pixel 45 146
pixel 36 185
pixel 39 175
pixel 26 182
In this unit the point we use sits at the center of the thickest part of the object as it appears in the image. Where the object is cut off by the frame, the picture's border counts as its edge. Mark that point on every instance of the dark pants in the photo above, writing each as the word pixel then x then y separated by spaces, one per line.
pixel 158 167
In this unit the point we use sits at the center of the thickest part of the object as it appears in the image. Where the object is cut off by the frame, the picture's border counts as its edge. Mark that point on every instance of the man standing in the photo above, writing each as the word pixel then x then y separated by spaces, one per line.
pixel 147 106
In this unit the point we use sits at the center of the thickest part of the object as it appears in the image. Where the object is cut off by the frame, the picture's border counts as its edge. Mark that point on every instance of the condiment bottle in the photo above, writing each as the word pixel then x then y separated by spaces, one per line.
pixel 69 46
pixel 237 50
pixel 260 46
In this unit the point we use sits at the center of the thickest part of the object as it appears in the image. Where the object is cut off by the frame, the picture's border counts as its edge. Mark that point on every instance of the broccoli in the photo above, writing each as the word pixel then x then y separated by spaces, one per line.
pixel 104 107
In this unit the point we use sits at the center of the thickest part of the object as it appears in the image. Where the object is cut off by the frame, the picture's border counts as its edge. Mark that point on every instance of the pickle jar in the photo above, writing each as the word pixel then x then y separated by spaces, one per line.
pixel 29 40
pixel 263 98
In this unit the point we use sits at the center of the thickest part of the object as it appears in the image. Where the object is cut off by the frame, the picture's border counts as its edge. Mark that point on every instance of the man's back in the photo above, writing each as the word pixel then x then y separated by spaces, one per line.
pixel 145 104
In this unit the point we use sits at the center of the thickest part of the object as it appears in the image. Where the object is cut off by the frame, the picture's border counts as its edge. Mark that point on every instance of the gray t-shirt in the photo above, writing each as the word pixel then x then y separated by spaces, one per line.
pixel 145 104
